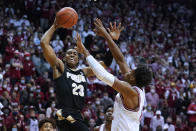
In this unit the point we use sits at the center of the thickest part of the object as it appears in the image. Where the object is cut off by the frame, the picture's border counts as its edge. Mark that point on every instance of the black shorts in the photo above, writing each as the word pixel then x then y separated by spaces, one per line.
pixel 64 125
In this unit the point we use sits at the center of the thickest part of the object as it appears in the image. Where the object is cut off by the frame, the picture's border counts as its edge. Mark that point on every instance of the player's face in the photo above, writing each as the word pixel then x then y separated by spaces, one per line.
pixel 71 58
pixel 47 127
pixel 109 112
pixel 129 77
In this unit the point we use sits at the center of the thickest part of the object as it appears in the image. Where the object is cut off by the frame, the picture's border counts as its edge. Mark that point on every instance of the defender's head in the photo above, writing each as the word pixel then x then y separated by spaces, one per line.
pixel 139 77
pixel 71 58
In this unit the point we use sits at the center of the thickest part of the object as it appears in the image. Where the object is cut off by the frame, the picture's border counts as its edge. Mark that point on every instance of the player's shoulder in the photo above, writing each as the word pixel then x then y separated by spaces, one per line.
pixel 139 90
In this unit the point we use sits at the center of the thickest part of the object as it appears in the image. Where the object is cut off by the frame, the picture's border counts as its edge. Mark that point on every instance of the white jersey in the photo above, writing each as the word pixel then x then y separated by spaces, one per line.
pixel 126 119
pixel 102 127
pixel 33 125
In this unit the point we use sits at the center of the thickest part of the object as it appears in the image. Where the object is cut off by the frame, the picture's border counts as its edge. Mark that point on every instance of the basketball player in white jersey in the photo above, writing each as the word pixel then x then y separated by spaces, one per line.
pixel 106 126
pixel 129 101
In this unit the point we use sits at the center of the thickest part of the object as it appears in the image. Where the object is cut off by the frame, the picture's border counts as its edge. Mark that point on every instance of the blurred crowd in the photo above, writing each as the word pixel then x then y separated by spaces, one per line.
pixel 159 33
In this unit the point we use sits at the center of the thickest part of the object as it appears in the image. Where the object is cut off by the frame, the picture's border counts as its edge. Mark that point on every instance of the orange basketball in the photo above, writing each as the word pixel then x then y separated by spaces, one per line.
pixel 66 17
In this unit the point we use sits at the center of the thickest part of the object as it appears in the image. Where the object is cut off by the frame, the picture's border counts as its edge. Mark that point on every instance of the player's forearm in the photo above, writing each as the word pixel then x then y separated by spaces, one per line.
pixel 86 53
pixel 118 56
pixel 99 71
pixel 48 35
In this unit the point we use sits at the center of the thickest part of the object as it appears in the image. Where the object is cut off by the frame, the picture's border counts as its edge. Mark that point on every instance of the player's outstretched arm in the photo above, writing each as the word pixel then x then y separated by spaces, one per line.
pixel 123 87
pixel 115 33
pixel 48 52
pixel 105 63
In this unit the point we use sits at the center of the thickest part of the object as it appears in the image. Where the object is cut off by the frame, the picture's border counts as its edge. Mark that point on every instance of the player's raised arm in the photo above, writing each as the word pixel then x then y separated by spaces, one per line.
pixel 105 63
pixel 114 31
pixel 48 52
pixel 120 86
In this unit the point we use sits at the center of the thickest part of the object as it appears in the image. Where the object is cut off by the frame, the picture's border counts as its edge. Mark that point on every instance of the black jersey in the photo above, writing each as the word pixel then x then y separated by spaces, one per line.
pixel 71 90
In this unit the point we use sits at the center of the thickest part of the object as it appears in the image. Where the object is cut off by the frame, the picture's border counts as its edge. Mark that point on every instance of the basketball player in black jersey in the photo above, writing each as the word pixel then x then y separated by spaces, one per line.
pixel 71 84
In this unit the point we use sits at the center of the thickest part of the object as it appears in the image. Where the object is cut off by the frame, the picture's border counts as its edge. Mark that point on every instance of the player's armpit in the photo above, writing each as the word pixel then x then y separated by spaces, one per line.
pixel 88 72
pixel 58 69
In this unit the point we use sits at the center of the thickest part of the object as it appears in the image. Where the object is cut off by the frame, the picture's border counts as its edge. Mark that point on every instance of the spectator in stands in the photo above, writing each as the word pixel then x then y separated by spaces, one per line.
pixel 16 66
pixel 171 95
pixel 91 124
pixel 152 98
pixel 33 121
pixel 50 111
pixel 2 125
pixel 28 67
pixel 181 126
pixel 182 103
pixel 160 128
pixel 44 20
pixel 192 112
pixel 5 99
pixel 165 127
pixel 147 116
pixel 169 124
pixel 106 100
pixel 57 44
pixel 156 121
pixel 7 71
pixel 13 120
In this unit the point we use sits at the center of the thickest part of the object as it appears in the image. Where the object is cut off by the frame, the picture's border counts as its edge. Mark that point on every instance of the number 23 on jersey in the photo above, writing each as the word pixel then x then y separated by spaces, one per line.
pixel 78 90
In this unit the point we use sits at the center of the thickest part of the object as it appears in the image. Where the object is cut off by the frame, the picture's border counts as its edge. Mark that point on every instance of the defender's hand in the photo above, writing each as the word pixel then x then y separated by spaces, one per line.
pixel 100 30
pixel 115 31
pixel 80 47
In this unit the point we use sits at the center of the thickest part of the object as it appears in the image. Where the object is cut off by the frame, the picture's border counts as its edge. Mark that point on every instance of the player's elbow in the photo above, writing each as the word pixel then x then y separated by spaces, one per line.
pixel 44 41
pixel 42 44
